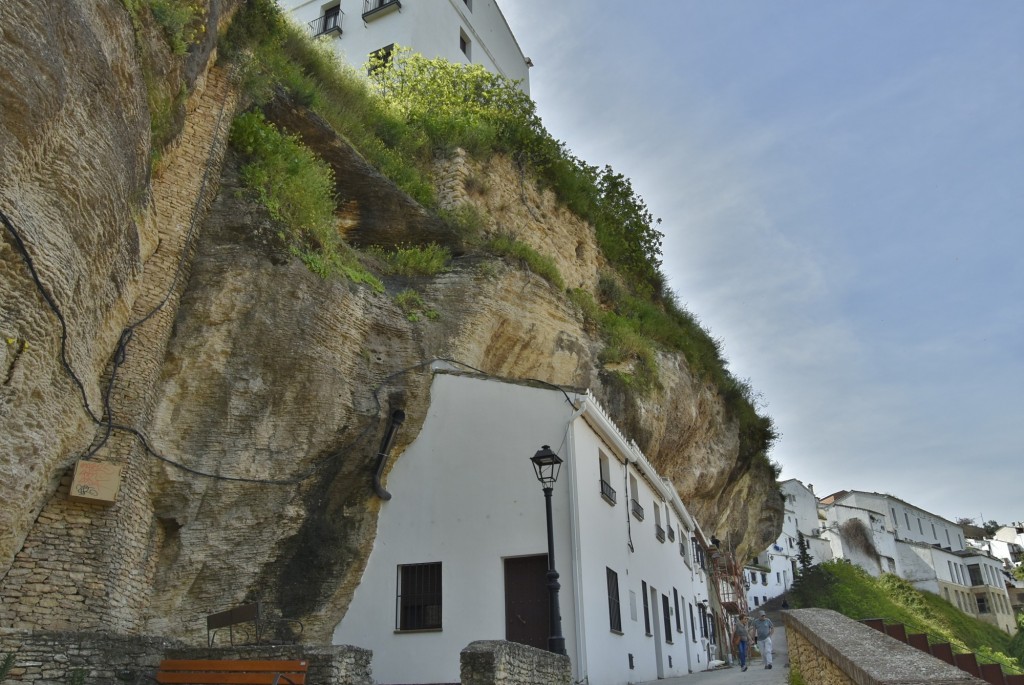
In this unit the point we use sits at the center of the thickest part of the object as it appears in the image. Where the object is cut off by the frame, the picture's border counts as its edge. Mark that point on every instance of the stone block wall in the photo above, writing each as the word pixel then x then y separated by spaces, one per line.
pixel 827 648
pixel 495 662
pixel 58 658
pixel 450 174
pixel 51 658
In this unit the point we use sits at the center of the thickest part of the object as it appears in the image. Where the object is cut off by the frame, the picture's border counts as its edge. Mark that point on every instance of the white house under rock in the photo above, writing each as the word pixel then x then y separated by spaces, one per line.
pixel 461 548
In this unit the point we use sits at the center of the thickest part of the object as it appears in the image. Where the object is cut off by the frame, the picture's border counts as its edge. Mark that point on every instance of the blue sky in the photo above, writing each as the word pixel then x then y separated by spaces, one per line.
pixel 842 189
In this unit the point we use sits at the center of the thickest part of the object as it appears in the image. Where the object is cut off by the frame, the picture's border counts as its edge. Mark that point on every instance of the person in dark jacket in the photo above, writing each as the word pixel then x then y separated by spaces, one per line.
pixel 741 638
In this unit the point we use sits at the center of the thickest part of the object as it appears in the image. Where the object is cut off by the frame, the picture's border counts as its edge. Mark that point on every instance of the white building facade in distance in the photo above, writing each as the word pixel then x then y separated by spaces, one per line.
pixel 773 571
pixel 461 547
pixel 466 31
pixel 884 534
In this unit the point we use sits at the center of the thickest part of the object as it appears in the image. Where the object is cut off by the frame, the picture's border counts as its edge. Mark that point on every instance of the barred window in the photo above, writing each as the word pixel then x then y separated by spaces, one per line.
pixel 647 609
pixel 419 596
pixel 614 610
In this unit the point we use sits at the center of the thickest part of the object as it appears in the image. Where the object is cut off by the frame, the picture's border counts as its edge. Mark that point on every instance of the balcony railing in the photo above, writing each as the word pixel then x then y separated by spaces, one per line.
pixel 607 491
pixel 330 22
pixel 637 510
pixel 378 8
pixel 671 534
pixel 659 533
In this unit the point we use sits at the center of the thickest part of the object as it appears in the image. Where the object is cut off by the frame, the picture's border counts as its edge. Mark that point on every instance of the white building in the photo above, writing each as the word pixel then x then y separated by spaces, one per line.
pixel 883 534
pixel 1010 553
pixel 992 602
pixel 467 31
pixel 460 551
pixel 772 572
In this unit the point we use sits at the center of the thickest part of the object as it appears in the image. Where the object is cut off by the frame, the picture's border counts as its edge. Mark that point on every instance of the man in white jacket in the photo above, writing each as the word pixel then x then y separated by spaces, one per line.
pixel 763 629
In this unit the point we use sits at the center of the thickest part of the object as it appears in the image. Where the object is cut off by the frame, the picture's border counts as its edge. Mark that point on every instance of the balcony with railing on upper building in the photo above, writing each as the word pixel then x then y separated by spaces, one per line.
pixel 373 9
pixel 330 22
pixel 607 491
pixel 637 510
pixel 659 533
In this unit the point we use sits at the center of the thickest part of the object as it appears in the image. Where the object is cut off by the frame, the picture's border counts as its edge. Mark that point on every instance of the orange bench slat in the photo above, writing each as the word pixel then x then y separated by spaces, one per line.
pixel 230 672
pixel 231 665
pixel 230 678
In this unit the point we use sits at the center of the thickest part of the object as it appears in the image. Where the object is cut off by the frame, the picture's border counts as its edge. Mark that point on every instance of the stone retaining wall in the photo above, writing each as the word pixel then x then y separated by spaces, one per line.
pixel 52 657
pixel 495 662
pixel 58 658
pixel 827 648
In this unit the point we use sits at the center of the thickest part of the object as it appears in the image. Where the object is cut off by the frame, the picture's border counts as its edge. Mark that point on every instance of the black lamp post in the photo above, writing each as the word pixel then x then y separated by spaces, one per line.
pixel 547 464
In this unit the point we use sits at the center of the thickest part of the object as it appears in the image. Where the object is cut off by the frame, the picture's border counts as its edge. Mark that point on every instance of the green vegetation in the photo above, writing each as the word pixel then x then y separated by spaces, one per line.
pixel 428 260
pixel 506 245
pixel 412 304
pixel 182 23
pixel 848 589
pixel 181 20
pixel 411 107
pixel 295 186
pixel 6 664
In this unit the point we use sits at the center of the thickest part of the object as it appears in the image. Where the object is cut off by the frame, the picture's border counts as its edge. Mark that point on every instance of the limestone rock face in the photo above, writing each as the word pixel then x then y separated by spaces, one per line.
pixel 74 132
pixel 262 392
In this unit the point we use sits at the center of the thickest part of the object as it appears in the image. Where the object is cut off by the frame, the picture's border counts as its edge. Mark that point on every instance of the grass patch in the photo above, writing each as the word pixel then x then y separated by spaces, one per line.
pixel 411 302
pixel 428 260
pixel 467 220
pixel 295 185
pixel 182 21
pixel 848 589
pixel 507 246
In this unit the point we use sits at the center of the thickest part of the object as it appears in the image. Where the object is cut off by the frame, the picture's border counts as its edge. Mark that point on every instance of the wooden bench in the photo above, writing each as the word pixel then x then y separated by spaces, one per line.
pixel 231 672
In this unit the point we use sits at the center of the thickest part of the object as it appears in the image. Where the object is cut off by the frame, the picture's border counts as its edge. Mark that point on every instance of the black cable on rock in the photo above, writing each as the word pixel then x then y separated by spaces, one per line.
pixel 19 245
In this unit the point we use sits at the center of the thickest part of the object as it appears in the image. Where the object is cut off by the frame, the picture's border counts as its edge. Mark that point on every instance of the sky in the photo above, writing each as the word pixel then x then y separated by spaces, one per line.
pixel 842 192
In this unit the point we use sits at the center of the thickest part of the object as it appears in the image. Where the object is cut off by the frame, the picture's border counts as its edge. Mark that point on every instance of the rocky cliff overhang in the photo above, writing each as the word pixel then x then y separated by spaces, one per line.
pixel 249 402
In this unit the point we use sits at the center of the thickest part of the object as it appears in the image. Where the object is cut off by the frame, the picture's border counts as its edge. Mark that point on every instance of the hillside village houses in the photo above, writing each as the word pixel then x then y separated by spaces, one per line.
pixel 773 571
pixel 461 31
pixel 466 559
pixel 884 534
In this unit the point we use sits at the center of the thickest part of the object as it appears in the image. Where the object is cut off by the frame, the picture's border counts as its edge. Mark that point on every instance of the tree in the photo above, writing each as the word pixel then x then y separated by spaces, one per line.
pixel 965 521
pixel 991 527
pixel 1018 571
pixel 804 556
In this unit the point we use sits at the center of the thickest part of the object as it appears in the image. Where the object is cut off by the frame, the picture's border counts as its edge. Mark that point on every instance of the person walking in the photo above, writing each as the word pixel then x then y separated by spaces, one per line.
pixel 740 640
pixel 763 630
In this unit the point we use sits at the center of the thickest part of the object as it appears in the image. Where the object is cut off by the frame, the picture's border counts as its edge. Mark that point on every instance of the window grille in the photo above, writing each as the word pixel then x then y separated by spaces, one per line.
pixel 419 596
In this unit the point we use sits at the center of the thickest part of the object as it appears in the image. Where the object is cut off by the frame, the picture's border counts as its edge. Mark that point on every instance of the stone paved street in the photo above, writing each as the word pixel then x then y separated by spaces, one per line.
pixel 756 673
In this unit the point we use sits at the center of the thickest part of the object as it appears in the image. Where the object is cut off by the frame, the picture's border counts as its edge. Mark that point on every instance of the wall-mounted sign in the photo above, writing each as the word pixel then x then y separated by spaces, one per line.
pixel 95 482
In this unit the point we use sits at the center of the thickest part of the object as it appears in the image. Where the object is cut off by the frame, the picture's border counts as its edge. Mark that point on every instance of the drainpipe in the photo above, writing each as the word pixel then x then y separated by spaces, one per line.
pixel 397 417
pixel 574 535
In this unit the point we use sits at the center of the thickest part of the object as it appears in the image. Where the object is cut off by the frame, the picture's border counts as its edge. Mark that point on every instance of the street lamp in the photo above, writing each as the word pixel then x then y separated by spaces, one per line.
pixel 547 464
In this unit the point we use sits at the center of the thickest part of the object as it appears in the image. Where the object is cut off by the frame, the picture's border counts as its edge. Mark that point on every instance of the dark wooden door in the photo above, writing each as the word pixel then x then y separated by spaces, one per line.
pixel 526 600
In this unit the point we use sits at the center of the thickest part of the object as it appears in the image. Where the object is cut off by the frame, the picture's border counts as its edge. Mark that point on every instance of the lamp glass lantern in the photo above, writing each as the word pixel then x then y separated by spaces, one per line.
pixel 547 465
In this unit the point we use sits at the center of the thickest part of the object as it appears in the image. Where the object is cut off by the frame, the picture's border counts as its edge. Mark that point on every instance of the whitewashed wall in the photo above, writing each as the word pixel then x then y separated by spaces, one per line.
pixel 909 522
pixel 429 27
pixel 465 494
pixel 610 537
